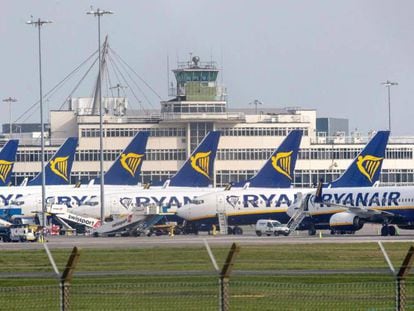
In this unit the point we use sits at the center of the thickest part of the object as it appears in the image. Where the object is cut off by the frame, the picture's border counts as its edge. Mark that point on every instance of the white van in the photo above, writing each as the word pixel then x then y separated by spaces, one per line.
pixel 271 227
pixel 22 233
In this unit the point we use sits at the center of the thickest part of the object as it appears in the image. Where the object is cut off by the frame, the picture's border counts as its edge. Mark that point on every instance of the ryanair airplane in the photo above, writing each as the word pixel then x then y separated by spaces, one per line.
pixel 277 172
pixel 197 173
pixel 198 170
pixel 7 159
pixel 247 205
pixel 346 210
pixel 365 170
pixel 57 170
pixel 126 169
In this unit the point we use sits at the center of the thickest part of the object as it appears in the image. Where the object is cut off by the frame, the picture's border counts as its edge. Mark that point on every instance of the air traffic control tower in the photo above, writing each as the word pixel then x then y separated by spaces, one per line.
pixel 198 100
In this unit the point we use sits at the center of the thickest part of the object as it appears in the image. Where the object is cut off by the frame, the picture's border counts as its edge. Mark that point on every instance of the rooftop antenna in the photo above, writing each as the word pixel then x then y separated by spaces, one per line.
pixel 256 103
pixel 168 75
pixel 118 87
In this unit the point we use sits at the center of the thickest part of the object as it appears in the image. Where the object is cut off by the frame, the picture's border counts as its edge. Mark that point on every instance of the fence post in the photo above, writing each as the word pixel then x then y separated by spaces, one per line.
pixel 400 279
pixel 66 278
pixel 225 277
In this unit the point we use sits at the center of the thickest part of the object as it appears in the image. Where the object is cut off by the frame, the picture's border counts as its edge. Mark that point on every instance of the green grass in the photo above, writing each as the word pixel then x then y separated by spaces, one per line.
pixel 162 278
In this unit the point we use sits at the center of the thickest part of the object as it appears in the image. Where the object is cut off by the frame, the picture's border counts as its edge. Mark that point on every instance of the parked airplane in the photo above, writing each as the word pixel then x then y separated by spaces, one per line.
pixel 7 159
pixel 348 209
pixel 57 170
pixel 197 170
pixel 365 170
pixel 277 172
pixel 246 206
pixel 126 169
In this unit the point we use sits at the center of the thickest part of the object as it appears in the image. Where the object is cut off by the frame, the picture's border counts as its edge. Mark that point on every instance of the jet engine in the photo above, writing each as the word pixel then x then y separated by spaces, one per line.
pixel 345 221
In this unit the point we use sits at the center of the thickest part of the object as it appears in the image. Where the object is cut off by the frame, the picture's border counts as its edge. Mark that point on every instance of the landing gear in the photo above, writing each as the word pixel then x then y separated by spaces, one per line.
pixel 312 230
pixel 388 230
pixel 237 231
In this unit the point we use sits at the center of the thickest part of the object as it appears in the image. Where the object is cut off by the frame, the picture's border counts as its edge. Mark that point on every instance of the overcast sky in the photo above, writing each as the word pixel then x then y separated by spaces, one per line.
pixel 328 55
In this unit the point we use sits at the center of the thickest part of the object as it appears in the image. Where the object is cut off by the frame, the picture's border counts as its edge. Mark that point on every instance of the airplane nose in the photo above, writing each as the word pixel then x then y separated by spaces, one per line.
pixel 184 211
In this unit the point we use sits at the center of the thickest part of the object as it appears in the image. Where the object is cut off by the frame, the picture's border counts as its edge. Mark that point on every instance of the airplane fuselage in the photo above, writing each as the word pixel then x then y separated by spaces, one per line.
pixel 246 206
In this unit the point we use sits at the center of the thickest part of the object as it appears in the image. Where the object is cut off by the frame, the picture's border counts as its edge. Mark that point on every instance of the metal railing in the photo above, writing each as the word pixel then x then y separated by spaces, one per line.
pixel 231 287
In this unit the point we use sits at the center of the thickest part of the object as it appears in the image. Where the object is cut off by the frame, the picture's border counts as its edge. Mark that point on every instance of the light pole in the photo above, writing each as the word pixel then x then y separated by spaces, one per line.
pixel 255 103
pixel 388 85
pixel 10 100
pixel 39 23
pixel 98 13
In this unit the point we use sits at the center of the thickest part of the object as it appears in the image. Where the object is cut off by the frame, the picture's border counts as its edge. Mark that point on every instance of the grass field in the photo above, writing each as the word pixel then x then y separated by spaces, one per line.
pixel 284 277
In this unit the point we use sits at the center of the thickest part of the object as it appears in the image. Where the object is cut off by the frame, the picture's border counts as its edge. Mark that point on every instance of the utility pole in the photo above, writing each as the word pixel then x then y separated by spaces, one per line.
pixel 10 100
pixel 388 85
pixel 39 23
pixel 98 13
pixel 256 103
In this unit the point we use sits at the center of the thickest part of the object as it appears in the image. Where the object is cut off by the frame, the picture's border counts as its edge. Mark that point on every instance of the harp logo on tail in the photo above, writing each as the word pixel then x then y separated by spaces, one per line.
pixel 200 163
pixel 368 165
pixel 281 163
pixel 59 166
pixel 5 168
pixel 130 162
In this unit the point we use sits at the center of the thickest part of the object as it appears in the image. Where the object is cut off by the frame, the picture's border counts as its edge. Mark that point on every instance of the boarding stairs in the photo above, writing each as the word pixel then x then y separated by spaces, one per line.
pixel 61 213
pixel 135 222
pixel 222 220
pixel 295 220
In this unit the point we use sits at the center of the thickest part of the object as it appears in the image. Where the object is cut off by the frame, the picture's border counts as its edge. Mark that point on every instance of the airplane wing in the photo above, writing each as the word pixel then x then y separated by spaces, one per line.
pixel 367 213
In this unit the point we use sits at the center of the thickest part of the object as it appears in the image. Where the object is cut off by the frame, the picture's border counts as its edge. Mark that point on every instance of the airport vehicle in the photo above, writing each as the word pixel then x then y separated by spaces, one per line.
pixel 19 233
pixel 248 205
pixel 7 158
pixel 271 227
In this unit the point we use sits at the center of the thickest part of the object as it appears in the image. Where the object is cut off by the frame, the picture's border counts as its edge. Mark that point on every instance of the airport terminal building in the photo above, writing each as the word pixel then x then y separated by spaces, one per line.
pixel 196 106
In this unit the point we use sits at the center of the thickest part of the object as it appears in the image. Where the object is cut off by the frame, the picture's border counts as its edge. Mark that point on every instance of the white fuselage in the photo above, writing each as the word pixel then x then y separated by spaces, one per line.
pixel 242 206
pixel 117 198
pixel 246 206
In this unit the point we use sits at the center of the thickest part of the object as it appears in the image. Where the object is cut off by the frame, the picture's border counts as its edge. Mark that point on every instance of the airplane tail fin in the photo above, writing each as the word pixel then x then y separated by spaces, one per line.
pixel 127 167
pixel 7 159
pixel 365 170
pixel 59 167
pixel 278 169
pixel 198 170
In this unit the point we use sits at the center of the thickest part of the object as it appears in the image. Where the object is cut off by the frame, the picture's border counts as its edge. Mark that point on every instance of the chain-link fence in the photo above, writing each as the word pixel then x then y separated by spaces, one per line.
pixel 188 283
pixel 204 295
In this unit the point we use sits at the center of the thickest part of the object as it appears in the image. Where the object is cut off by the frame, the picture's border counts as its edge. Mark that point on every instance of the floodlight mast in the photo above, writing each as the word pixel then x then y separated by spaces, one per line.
pixel 10 100
pixel 98 13
pixel 388 85
pixel 39 23
pixel 255 103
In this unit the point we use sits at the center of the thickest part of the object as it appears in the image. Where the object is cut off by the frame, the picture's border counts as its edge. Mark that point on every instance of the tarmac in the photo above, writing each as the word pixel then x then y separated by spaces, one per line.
pixel 369 234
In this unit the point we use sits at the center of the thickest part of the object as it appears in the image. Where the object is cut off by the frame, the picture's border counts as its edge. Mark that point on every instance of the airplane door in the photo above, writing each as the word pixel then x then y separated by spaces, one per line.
pixel 220 204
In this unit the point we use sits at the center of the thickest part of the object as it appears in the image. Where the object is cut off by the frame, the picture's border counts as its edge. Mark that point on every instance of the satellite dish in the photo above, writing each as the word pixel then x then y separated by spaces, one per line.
pixel 195 60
